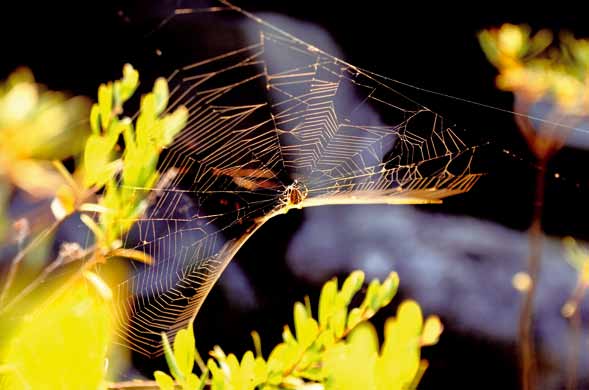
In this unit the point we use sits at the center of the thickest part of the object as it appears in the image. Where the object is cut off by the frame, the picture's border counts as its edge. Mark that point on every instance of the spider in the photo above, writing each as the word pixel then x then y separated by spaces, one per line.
pixel 294 195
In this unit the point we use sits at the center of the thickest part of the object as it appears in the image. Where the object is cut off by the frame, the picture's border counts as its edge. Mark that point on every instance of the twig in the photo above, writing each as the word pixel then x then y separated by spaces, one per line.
pixel 15 263
pixel 135 385
pixel 574 349
pixel 60 260
pixel 526 330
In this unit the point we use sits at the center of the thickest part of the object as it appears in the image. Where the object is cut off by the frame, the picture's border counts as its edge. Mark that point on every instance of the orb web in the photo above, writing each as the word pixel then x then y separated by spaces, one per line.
pixel 265 136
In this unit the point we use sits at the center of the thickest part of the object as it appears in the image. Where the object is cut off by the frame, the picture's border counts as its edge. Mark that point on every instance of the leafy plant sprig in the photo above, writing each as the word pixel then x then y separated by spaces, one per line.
pixel 119 177
pixel 337 350
pixel 127 174
pixel 128 177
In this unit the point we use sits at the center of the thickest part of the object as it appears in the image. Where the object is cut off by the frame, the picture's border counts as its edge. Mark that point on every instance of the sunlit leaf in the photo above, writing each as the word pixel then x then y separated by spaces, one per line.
pixel 431 330
pixel 95 119
pixel 338 321
pixel 184 351
pixel 172 124
pixel 351 286
pixel 105 104
pixel 64 202
pixel 132 254
pixel 99 284
pixel 388 289
pixel 160 91
pixel 63 344
pixel 93 226
pixel 171 358
pixel 327 301
pixel 371 299
pixel 164 381
pixel 305 327
pixel 129 82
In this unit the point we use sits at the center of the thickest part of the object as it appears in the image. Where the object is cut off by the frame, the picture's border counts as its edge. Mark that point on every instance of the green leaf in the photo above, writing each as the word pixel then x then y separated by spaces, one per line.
pixel 98 169
pixel 338 321
pixel 116 94
pixel 184 350
pixel 93 226
pixel 203 379
pixel 160 91
pixel 247 368
pixel 192 382
pixel 95 119
pixel 132 254
pixel 364 340
pixel 306 327
pixel 257 343
pixel 105 104
pixel 432 329
pixel 351 285
pixel 172 124
pixel 164 381
pixel 327 301
pixel 354 318
pixel 287 336
pixel 146 132
pixel 410 318
pixel 300 316
pixel 171 359
pixel 371 300
pixel 129 82
pixel 260 371
pixel 388 289
pixel 282 358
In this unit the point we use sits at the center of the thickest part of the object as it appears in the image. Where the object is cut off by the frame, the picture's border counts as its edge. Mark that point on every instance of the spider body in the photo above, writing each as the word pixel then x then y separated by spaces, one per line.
pixel 294 195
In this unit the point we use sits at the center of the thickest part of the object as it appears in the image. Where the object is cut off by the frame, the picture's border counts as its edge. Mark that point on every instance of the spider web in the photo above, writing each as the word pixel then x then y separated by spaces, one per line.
pixel 264 137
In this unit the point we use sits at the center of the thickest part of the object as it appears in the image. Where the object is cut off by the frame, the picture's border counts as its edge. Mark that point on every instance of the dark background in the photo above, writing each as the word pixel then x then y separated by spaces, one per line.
pixel 75 46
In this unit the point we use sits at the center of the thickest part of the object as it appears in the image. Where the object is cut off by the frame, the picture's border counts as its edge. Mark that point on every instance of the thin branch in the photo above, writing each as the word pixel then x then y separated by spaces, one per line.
pixel 135 385
pixel 526 331
pixel 15 263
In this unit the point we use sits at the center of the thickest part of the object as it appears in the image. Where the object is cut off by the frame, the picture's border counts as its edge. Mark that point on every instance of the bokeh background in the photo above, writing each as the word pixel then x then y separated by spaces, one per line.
pixel 457 259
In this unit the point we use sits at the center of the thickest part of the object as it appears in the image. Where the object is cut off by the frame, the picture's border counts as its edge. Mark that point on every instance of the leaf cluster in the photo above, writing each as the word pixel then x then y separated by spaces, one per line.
pixel 127 176
pixel 338 349
pixel 530 64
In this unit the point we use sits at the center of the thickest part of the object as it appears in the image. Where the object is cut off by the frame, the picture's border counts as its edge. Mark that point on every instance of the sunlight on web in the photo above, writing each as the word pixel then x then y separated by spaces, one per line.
pixel 265 136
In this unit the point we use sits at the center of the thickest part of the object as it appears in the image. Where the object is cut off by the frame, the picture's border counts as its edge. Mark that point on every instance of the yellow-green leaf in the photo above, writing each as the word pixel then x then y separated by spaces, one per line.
pixel 388 289
pixel 132 254
pixel 98 169
pixel 160 91
pixel 93 226
pixel 62 344
pixel 184 350
pixel 338 321
pixel 95 119
pixel 105 104
pixel 164 381
pixel 431 330
pixel 351 285
pixel 172 124
pixel 354 318
pixel 192 382
pixel 327 301
pixel 300 315
pixel 171 359
pixel 129 82
pixel 371 300
pixel 363 340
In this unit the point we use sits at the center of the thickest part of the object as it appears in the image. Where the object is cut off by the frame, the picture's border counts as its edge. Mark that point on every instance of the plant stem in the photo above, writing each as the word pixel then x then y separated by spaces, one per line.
pixel 15 263
pixel 134 385
pixel 526 330
pixel 574 349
